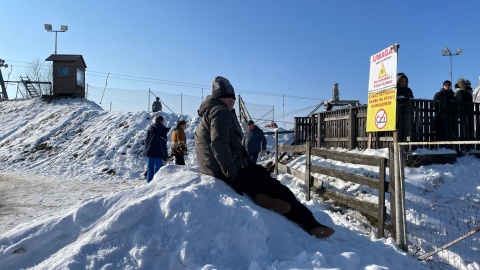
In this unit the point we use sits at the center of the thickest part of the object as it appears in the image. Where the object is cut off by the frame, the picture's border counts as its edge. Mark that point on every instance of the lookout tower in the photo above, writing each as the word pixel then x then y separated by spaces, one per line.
pixel 68 75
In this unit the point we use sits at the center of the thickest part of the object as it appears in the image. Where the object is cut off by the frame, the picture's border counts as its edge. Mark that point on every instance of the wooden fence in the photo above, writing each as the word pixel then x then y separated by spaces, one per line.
pixel 418 120
pixel 377 211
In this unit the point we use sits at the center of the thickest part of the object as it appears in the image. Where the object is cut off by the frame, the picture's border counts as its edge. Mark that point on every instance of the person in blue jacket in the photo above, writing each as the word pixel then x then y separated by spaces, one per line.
pixel 254 141
pixel 156 147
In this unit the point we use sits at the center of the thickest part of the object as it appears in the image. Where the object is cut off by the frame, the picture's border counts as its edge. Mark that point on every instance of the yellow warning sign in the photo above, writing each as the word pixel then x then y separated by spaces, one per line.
pixel 383 72
pixel 381 112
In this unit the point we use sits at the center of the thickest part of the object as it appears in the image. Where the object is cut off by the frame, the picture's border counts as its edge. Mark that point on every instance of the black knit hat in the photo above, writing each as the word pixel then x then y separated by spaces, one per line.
pixel 447 81
pixel 222 88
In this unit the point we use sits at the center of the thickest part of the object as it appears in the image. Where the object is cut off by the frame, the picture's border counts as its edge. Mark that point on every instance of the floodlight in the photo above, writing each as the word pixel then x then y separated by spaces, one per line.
pixel 447 52
pixel 63 28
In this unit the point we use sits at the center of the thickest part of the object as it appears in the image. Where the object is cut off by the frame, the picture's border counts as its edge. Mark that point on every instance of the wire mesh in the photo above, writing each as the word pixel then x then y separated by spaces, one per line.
pixel 431 226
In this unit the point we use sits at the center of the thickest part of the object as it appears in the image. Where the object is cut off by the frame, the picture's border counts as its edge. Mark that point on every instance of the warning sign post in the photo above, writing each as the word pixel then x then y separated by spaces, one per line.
pixel 382 91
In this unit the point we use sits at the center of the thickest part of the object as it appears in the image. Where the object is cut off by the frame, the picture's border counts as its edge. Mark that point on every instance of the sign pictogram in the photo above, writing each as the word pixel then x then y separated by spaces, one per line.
pixel 383 72
pixel 381 119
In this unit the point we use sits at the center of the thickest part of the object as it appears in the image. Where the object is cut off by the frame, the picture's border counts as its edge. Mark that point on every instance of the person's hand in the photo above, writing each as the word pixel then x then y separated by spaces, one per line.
pixel 264 152
pixel 235 184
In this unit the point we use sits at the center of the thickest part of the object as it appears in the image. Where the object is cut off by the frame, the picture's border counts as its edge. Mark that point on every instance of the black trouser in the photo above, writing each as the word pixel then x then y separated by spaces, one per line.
pixel 255 179
pixel 253 156
pixel 179 159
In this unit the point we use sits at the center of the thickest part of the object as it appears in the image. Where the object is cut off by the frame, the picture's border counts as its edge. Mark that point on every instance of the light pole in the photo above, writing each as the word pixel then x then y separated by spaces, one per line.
pixel 447 52
pixel 63 28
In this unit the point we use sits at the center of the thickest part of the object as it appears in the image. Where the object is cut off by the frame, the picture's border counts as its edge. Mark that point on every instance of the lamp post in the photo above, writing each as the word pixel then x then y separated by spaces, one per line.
pixel 447 52
pixel 63 28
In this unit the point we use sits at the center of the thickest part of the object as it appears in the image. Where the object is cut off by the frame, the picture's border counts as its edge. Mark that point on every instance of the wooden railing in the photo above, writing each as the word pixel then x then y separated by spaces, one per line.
pixel 315 185
pixel 418 120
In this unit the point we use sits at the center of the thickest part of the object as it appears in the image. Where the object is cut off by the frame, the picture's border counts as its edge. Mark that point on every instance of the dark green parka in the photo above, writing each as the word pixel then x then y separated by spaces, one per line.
pixel 218 140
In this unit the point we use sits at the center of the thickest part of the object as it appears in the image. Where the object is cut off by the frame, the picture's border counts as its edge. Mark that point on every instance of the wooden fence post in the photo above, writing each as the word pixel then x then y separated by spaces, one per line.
pixel 381 197
pixel 391 190
pixel 351 129
pixel 399 195
pixel 320 118
pixel 276 153
pixel 307 170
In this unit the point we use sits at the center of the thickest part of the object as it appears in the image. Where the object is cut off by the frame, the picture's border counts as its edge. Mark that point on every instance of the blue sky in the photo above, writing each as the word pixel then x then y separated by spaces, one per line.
pixel 267 49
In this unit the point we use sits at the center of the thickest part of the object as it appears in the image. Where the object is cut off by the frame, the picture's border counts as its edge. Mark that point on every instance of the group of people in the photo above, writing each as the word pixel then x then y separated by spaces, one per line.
pixel 224 152
pixel 463 92
pixel 156 145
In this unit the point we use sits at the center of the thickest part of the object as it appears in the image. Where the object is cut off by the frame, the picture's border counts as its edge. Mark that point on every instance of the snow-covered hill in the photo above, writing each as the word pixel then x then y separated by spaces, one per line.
pixel 181 220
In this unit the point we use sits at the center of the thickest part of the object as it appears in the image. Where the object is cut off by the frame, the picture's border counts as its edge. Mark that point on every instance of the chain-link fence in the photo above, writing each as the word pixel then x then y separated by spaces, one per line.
pixel 116 99
pixel 432 226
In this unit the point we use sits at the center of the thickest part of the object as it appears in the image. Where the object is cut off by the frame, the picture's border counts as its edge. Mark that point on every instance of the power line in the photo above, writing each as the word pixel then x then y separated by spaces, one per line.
pixel 180 84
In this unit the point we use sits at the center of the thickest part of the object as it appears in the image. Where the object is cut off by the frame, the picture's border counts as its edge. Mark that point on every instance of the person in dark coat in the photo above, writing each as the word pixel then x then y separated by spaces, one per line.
pixel 178 142
pixel 157 105
pixel 445 117
pixel 445 93
pixel 468 87
pixel 461 93
pixel 254 141
pixel 403 91
pixel 156 147
pixel 220 153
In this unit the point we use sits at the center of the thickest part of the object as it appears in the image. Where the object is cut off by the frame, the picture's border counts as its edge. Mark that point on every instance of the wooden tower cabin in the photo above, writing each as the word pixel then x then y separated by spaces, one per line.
pixel 68 75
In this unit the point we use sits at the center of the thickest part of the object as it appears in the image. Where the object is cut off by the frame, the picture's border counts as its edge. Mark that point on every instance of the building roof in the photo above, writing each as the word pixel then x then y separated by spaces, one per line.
pixel 66 58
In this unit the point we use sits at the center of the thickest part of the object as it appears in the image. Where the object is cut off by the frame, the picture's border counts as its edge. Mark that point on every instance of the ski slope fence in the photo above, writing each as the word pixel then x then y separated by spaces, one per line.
pixel 429 227
pixel 181 104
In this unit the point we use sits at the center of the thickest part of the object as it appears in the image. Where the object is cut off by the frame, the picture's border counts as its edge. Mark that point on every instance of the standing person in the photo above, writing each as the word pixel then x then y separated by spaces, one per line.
pixel 402 86
pixel 155 147
pixel 157 105
pixel 465 109
pixel 254 141
pixel 444 116
pixel 178 144
pixel 220 153
pixel 468 86
pixel 445 93
pixel 461 93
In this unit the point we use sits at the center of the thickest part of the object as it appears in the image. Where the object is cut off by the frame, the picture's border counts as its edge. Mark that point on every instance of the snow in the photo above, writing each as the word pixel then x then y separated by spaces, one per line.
pixel 73 196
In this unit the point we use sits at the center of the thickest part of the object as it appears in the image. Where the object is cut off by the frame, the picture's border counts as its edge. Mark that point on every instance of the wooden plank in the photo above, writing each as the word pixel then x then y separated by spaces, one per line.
pixel 279 132
pixel 336 139
pixel 367 208
pixel 335 118
pixel 351 128
pixel 296 173
pixel 346 157
pixel 292 148
pixel 346 176
pixel 277 152
pixel 307 171
pixel 380 139
pixel 369 142
pixel 382 211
